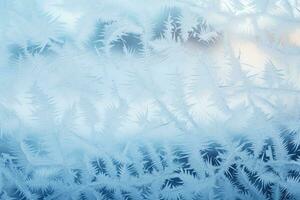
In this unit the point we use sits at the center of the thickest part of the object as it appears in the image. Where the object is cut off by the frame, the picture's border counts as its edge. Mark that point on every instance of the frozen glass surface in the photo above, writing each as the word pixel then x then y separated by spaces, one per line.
pixel 149 99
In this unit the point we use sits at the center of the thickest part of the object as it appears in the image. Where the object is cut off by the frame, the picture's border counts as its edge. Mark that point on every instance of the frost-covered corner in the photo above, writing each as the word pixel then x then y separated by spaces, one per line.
pixel 157 100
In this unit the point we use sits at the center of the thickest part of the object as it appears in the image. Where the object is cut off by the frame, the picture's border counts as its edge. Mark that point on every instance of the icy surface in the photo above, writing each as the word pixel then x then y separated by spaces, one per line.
pixel 152 99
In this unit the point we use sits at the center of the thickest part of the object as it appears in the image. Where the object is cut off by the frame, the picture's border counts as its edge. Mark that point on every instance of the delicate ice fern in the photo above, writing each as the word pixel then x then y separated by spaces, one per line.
pixel 169 100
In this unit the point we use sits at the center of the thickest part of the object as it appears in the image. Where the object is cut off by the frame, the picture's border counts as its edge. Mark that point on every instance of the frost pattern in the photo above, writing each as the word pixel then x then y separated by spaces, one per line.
pixel 158 100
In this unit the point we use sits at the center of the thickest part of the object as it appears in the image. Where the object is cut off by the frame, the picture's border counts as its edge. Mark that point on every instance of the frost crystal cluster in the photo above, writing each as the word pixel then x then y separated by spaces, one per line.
pixel 149 99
